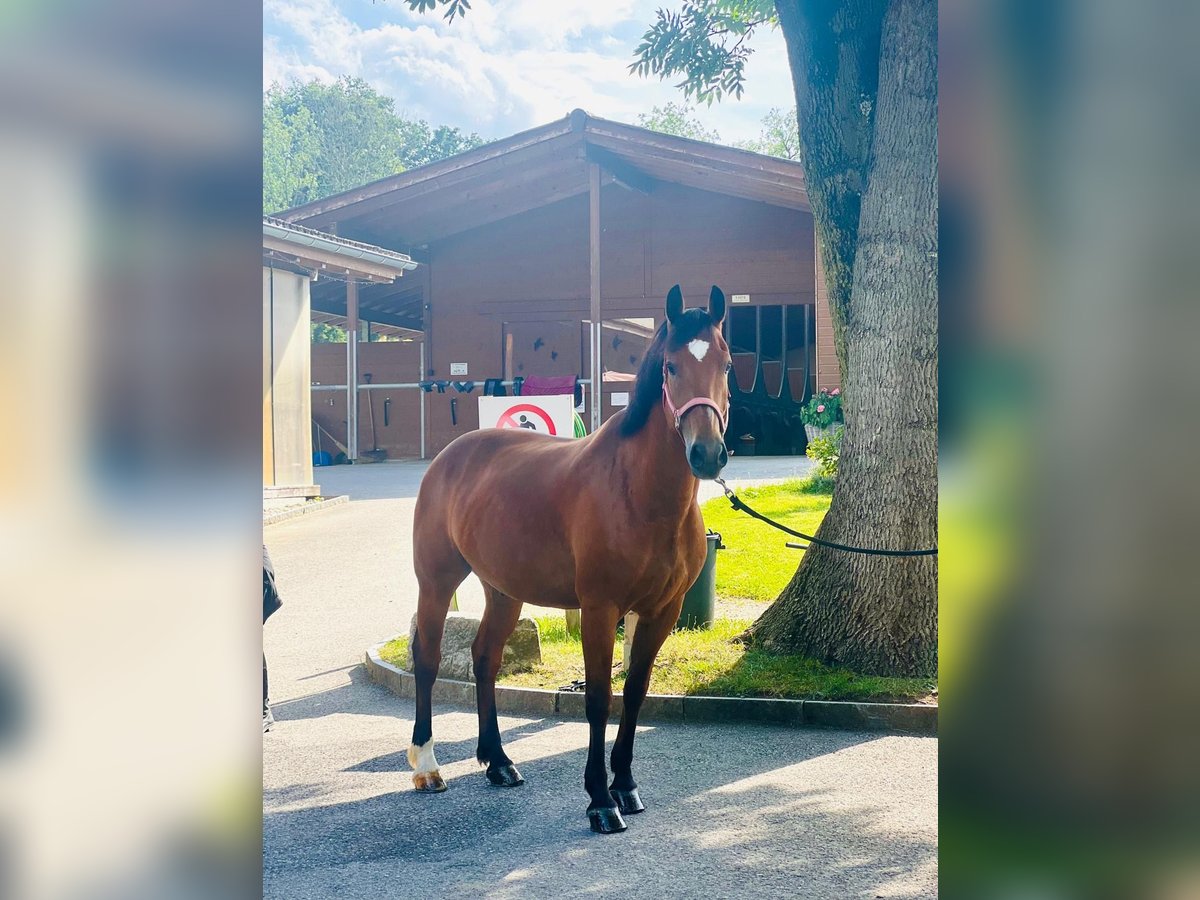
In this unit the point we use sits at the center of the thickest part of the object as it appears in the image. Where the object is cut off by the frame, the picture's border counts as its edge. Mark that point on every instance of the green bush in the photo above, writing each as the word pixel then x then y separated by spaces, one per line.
pixel 826 451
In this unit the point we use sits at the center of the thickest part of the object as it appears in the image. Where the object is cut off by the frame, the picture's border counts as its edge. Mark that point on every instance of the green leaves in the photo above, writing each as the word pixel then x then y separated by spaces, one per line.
pixel 320 139
pixel 706 42
pixel 780 135
pixel 678 119
pixel 453 7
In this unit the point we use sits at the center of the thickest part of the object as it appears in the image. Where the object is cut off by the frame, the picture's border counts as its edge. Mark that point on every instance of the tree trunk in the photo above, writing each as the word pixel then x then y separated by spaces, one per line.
pixel 833 54
pixel 878 614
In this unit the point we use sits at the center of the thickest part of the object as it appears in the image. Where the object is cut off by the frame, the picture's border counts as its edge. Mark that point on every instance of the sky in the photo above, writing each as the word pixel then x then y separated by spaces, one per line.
pixel 509 65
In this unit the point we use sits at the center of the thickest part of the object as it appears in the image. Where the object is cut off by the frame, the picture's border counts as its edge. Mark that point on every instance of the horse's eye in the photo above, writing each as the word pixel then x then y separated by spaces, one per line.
pixel 728 367
pixel 670 368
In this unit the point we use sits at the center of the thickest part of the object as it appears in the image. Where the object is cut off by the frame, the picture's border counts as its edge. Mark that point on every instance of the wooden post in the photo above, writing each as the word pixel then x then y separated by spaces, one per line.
pixel 351 370
pixel 594 257
pixel 421 396
pixel 574 622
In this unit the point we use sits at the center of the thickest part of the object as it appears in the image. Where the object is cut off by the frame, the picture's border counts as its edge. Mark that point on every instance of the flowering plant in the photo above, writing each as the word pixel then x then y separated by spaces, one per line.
pixel 823 409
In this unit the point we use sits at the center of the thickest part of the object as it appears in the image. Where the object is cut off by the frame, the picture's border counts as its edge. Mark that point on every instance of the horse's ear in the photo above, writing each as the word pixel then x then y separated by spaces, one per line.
pixel 674 304
pixel 716 306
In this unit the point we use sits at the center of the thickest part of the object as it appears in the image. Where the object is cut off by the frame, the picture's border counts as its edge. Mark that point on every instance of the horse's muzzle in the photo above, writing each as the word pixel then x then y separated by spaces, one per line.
pixel 707 459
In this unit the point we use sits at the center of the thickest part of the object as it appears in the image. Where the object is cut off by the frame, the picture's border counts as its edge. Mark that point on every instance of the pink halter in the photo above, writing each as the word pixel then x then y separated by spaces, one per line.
pixel 677 412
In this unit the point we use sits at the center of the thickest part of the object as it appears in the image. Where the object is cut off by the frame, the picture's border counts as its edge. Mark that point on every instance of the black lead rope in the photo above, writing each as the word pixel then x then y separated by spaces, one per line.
pixel 738 504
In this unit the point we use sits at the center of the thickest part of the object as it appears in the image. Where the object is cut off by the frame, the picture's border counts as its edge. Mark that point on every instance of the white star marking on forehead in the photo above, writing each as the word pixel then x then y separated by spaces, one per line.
pixel 698 349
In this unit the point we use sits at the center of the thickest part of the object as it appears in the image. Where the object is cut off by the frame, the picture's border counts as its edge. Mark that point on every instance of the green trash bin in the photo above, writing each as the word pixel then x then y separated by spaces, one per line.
pixel 699 603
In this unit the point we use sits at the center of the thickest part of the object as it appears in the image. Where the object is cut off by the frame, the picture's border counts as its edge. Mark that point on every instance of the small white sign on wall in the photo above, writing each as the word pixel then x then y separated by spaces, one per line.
pixel 740 298
pixel 458 368
pixel 619 399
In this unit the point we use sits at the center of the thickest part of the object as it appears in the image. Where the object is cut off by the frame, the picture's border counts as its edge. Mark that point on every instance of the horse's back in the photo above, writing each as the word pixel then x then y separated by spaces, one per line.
pixel 500 498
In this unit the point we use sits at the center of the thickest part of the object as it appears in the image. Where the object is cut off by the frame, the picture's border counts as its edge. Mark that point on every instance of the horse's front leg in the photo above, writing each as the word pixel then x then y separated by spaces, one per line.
pixel 648 638
pixel 599 631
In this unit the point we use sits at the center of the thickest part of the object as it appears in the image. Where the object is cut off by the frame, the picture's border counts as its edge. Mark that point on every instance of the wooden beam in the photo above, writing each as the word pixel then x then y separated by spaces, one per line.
pixel 594 289
pixel 330 308
pixel 753 172
pixel 622 171
pixel 413 207
pixel 634 139
pixel 467 220
pixel 498 157
pixel 352 369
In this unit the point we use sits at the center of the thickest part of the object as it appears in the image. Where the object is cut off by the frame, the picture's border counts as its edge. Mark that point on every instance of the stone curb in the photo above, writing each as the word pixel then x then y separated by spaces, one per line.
pixel 303 509
pixel 905 718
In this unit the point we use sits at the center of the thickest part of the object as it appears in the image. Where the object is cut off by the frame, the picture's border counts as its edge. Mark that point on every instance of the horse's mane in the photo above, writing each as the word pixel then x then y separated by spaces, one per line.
pixel 647 388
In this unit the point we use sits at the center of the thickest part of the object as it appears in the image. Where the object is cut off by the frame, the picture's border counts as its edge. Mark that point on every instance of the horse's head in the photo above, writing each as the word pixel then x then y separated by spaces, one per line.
pixel 696 365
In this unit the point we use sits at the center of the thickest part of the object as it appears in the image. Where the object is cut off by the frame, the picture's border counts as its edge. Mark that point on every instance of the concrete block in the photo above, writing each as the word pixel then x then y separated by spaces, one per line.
pixel 456 693
pixel 572 704
pixel 526 701
pixel 914 718
pixel 522 651
pixel 661 708
pixel 386 675
pixel 742 709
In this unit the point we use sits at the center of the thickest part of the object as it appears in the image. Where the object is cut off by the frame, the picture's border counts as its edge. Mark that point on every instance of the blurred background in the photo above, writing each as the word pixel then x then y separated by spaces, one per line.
pixel 130 161
pixel 129 646
pixel 1068 599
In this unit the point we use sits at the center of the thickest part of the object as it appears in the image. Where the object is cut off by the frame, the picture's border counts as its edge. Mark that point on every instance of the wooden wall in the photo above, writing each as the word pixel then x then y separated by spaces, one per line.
pixel 526 278
pixel 389 362
pixel 829 376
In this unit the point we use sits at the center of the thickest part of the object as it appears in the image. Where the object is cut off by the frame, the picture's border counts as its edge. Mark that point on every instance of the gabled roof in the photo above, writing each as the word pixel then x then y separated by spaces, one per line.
pixel 542 166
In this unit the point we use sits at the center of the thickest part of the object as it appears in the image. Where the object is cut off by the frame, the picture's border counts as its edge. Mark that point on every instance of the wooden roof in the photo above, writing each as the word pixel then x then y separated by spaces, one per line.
pixel 539 167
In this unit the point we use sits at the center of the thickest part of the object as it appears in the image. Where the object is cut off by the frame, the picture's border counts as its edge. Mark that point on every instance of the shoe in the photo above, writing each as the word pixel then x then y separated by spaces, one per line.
pixel 268 720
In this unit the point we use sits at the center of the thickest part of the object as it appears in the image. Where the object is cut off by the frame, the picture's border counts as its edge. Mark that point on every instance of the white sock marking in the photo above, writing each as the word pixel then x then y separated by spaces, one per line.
pixel 698 349
pixel 422 758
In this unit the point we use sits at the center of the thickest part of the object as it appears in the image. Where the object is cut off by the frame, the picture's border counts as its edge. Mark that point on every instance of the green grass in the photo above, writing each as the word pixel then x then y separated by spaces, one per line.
pixel 395 651
pixel 756 564
pixel 706 663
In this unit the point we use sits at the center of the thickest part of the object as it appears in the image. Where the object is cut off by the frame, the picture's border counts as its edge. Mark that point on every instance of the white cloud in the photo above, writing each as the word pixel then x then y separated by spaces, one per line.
pixel 504 68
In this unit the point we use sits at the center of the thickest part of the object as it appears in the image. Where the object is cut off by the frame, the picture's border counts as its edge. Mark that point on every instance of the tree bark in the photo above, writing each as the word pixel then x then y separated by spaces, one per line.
pixel 878 614
pixel 833 53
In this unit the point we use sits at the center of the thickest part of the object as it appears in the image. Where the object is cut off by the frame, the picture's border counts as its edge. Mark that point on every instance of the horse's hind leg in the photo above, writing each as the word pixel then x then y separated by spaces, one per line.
pixel 432 605
pixel 648 639
pixel 499 619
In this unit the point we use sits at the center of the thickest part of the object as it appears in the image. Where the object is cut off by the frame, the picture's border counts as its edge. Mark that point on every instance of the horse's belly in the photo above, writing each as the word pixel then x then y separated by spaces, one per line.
pixel 539 583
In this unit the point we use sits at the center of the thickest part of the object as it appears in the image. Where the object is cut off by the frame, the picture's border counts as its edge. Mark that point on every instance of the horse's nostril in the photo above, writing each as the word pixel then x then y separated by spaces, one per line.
pixel 724 457
pixel 696 456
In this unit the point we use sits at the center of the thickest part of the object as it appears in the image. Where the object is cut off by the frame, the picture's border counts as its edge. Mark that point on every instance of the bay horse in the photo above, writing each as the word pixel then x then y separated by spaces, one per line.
pixel 608 524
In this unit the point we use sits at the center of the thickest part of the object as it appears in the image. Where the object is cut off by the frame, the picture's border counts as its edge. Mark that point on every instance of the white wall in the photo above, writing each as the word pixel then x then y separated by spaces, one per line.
pixel 287 398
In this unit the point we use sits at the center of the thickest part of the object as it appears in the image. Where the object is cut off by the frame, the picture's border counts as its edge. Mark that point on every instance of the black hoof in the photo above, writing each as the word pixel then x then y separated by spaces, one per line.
pixel 606 821
pixel 505 776
pixel 628 802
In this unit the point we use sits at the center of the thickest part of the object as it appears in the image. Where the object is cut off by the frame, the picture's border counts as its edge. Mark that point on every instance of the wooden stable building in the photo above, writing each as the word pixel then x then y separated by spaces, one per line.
pixel 525 243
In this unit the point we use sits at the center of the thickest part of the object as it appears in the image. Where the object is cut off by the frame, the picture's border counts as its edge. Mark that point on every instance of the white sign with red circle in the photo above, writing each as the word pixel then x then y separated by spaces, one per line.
pixel 552 415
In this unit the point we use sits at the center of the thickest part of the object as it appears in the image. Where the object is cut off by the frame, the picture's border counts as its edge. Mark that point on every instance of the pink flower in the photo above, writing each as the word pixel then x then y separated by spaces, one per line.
pixel 836 391
pixel 820 407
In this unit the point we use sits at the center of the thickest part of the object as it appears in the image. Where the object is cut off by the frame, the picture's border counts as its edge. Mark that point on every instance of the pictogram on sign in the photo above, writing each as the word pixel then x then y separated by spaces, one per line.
pixel 526 415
